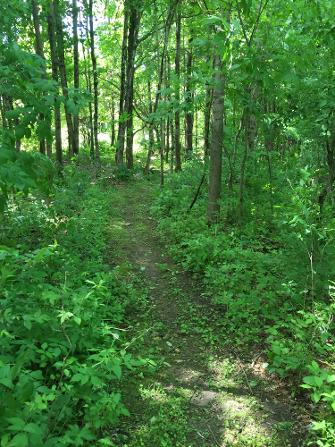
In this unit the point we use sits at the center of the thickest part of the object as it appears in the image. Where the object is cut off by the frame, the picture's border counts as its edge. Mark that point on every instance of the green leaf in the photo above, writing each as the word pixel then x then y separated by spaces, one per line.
pixel 19 440
pixel 17 424
pixel 115 367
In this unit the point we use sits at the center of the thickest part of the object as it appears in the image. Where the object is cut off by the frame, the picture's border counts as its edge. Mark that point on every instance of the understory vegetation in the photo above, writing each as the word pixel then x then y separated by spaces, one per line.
pixel 63 350
pixel 270 276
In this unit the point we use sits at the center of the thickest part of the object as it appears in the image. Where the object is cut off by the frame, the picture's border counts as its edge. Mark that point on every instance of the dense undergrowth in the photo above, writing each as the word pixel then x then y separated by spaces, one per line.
pixel 269 275
pixel 63 356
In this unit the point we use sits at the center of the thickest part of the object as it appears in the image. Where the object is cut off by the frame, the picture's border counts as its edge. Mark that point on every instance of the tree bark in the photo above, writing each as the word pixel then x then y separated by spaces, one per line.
pixel 40 52
pixel 177 94
pixel 216 144
pixel 134 24
pixel 63 74
pixel 76 79
pixel 95 82
pixel 207 118
pixel 189 119
pixel 87 74
pixel 54 68
pixel 119 155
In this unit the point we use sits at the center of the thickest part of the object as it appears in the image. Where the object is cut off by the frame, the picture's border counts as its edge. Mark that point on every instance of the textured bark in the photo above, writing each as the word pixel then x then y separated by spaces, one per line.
pixel 207 118
pixel 189 118
pixel 3 113
pixel 95 82
pixel 63 74
pixel 151 133
pixel 40 52
pixel 134 23
pixel 76 79
pixel 177 94
pixel 54 68
pixel 113 122
pixel 89 89
pixel 216 144
pixel 162 151
pixel 119 155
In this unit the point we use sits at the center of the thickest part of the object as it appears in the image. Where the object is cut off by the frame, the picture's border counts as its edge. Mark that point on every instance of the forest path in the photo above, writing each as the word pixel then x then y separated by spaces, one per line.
pixel 199 396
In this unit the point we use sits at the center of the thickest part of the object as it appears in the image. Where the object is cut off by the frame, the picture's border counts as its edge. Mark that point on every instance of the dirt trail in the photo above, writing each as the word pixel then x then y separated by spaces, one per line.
pixel 201 396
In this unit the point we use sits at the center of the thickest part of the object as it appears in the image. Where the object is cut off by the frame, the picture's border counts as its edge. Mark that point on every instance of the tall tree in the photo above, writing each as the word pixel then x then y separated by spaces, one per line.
pixel 177 143
pixel 63 74
pixel 40 52
pixel 95 82
pixel 119 155
pixel 55 77
pixel 134 25
pixel 189 118
pixel 76 78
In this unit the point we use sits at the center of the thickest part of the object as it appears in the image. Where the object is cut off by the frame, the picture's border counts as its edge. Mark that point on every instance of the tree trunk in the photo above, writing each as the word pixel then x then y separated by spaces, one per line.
pixel 119 155
pixel 189 119
pixel 54 68
pixel 162 151
pixel 40 52
pixel 87 74
pixel 177 144
pixel 95 83
pixel 207 118
pixel 76 79
pixel 249 127
pixel 113 123
pixel 151 133
pixel 215 162
pixel 134 24
pixel 62 73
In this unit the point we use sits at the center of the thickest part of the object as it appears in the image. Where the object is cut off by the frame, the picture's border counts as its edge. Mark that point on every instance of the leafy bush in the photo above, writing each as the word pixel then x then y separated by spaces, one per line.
pixel 23 172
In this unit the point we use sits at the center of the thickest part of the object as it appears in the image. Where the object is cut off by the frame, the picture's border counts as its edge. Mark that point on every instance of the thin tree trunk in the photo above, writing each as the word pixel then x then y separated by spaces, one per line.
pixel 54 68
pixel 134 24
pixel 189 119
pixel 3 113
pixel 40 52
pixel 151 134
pixel 249 126
pixel 207 118
pixel 177 144
pixel 113 123
pixel 89 88
pixel 62 73
pixel 95 83
pixel 172 152
pixel 119 155
pixel 76 79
